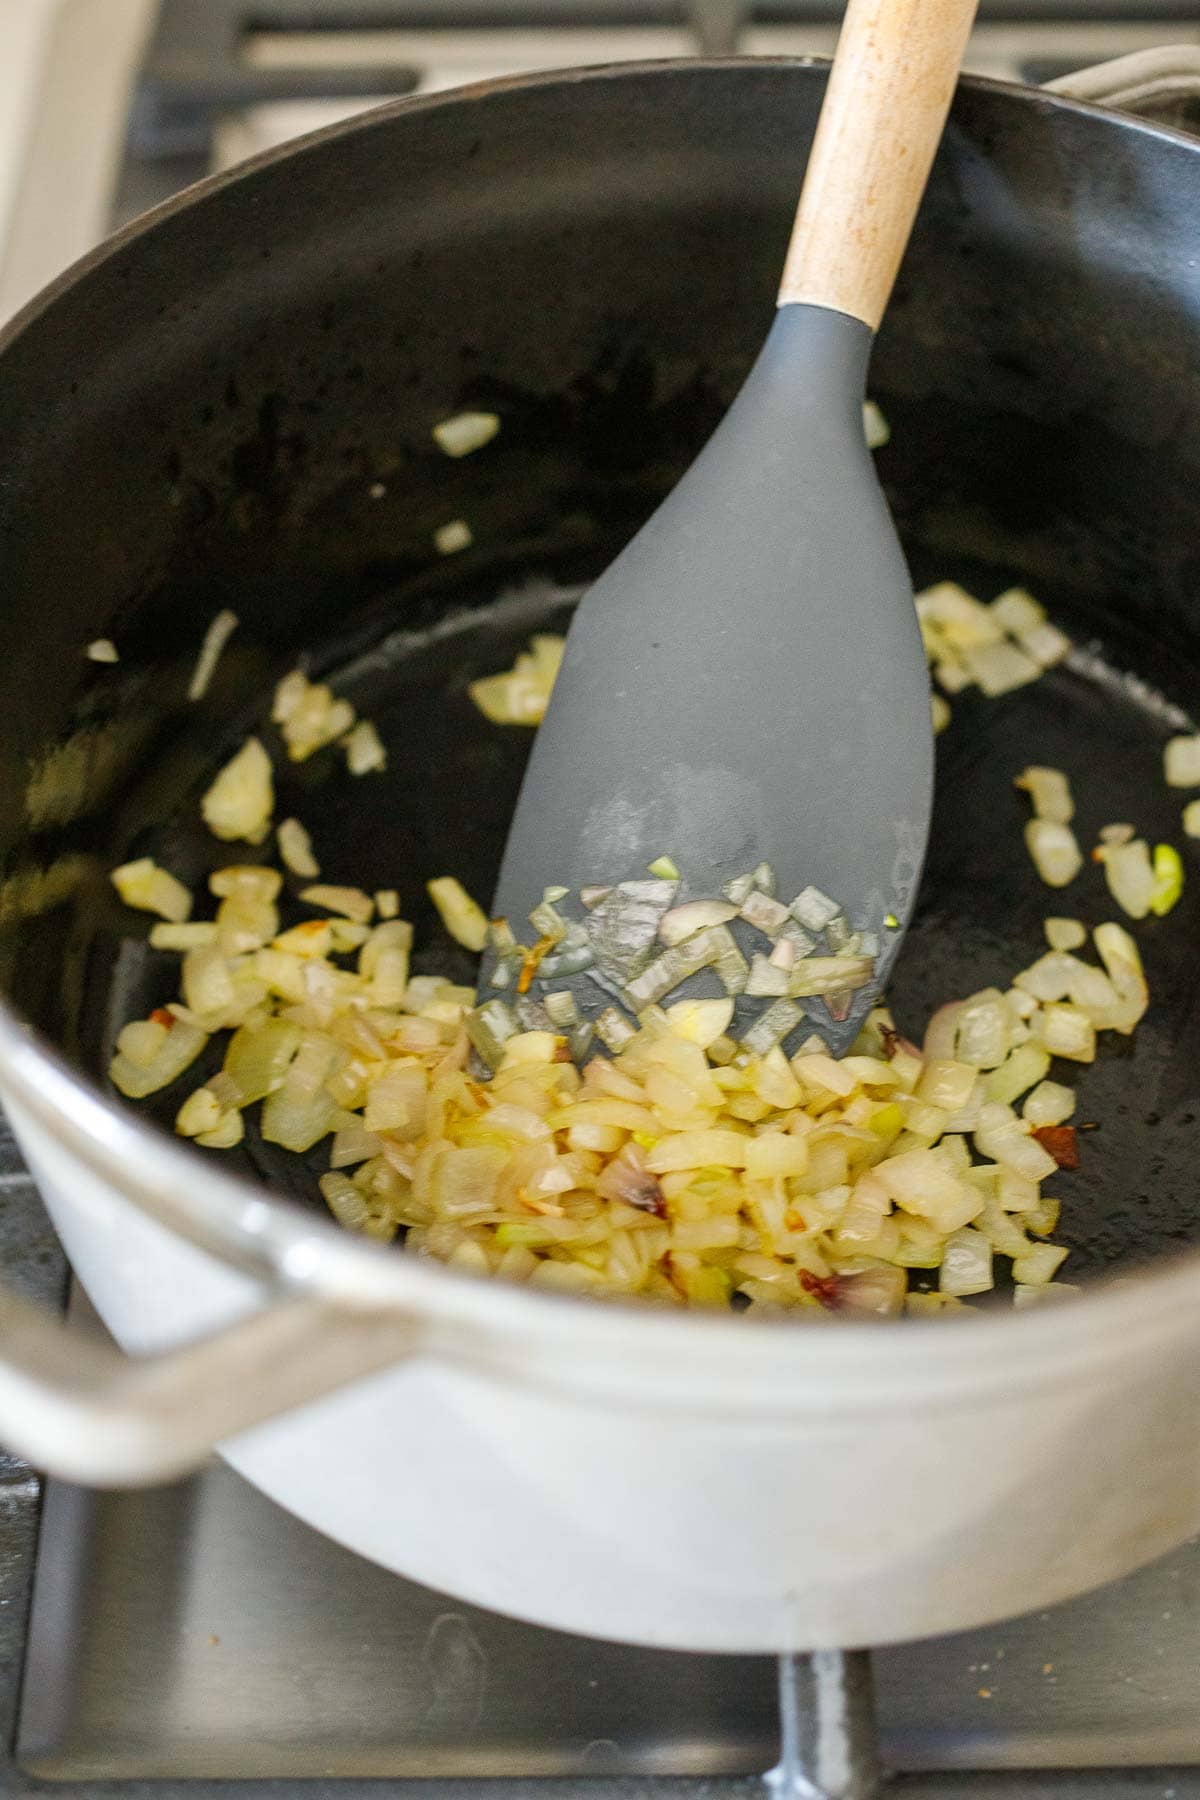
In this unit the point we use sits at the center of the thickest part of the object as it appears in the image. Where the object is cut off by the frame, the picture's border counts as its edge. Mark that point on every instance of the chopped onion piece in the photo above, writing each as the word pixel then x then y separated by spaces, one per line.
pixel 1005 1139
pixel 939 711
pixel 952 674
pixel 983 1028
pixel 700 1022
pixel 215 640
pixel 1191 819
pixel 174 1047
pixel 182 937
pixel 1049 1104
pixel 765 913
pixel 682 922
pixel 1181 762
pixel 1122 961
pixel 241 799
pixel 1049 793
pixel 771 1026
pixel 308 715
pixel 246 881
pixel 1130 875
pixel 1035 1296
pixel 948 612
pixel 463 918
pixel 387 903
pixel 350 902
pixel 1038 1265
pixel 1067 1031
pixel 623 928
pixel 941 1033
pixel 225 1135
pixel 613 1029
pixel 455 535
pixel 664 868
pixel 766 979
pixel 1050 977
pixel 519 696
pixel 946 1084
pixel 999 668
pixel 1016 611
pixel 966 1263
pixel 876 427
pixel 201 1111
pixel 739 888
pixel 465 432
pixel 142 884
pixel 813 909
pixel 1045 643
pixel 1168 879
pixel 829 975
pixel 102 650
pixel 1056 854
pixel 365 754
pixel 920 1183
pixel 1023 1068
pixel 295 848
pixel 1064 934
pixel 562 1009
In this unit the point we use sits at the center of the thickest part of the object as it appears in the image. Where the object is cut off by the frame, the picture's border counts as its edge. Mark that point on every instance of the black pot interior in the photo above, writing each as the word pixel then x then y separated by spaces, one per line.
pixel 233 408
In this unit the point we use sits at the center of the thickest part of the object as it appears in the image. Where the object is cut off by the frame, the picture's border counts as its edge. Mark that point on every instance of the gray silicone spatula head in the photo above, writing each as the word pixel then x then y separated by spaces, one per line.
pixel 746 683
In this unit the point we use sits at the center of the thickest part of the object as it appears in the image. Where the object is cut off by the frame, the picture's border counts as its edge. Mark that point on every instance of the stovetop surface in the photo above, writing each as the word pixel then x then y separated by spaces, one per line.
pixel 199 1631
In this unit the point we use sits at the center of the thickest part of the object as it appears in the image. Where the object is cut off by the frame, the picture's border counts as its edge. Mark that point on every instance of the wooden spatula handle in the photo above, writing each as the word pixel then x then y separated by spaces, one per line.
pixel 889 91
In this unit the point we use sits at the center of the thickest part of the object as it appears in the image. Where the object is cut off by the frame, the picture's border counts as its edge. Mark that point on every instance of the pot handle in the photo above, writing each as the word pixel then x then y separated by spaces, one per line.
pixel 82 1410
pixel 1152 82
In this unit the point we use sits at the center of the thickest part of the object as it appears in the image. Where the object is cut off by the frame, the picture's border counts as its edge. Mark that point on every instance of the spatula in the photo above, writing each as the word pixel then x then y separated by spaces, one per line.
pixel 746 683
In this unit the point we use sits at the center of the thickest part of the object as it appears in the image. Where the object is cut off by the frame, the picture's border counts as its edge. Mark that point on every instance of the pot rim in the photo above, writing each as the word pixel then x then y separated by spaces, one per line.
pixel 276 1239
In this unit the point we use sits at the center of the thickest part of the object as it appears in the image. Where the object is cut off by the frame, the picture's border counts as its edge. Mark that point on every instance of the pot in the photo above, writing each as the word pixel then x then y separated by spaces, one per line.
pixel 230 404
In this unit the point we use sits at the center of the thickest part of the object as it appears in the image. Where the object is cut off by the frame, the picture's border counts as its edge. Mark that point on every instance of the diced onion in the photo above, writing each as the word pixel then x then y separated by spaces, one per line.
pixel 463 918
pixel 452 537
pixel 1056 855
pixel 1049 1104
pixel 1064 934
pixel 102 650
pixel 966 1263
pixel 215 639
pixel 466 432
pixel 1168 879
pixel 1181 762
pixel 1067 1031
pixel 682 922
pixel 350 902
pixel 172 1052
pixel 308 715
pixel 999 668
pixel 875 426
pixel 241 799
pixel 364 749
pixel 1130 876
pixel 295 848
pixel 1049 793
pixel 144 885
pixel 1016 611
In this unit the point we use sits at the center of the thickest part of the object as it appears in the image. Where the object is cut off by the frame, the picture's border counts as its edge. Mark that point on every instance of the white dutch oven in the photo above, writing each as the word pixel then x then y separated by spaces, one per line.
pixel 677 1480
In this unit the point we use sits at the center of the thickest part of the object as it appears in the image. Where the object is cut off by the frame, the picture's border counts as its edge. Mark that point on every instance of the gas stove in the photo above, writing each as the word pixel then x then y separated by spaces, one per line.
pixel 198 1635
